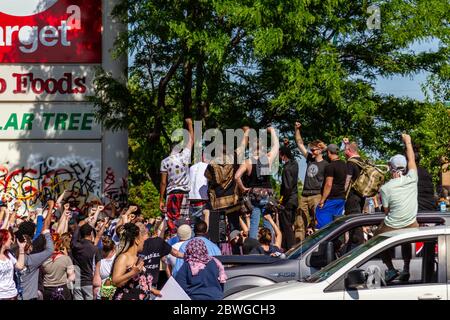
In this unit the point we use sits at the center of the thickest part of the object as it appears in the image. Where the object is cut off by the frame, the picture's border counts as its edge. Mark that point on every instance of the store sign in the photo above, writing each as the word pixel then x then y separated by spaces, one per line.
pixel 50 31
pixel 48 121
pixel 43 82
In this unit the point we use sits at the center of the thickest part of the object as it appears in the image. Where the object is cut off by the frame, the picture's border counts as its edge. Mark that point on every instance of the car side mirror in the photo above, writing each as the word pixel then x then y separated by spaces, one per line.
pixel 323 257
pixel 355 279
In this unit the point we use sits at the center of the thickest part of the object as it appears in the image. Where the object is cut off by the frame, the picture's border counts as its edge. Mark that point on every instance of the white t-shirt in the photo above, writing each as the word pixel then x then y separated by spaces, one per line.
pixel 400 196
pixel 171 260
pixel 106 266
pixel 199 183
pixel 177 168
pixel 7 285
pixel 105 270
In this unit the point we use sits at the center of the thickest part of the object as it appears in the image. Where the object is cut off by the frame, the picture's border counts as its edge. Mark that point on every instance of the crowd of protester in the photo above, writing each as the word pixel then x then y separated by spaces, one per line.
pixel 210 208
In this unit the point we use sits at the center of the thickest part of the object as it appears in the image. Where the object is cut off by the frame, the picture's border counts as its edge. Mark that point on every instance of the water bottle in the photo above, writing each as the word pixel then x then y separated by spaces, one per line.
pixel 371 206
pixel 443 206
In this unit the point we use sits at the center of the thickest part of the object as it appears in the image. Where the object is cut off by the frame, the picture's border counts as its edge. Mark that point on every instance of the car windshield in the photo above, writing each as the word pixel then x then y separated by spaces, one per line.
pixel 329 270
pixel 296 251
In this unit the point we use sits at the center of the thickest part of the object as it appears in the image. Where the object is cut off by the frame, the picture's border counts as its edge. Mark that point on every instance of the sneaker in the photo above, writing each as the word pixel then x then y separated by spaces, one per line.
pixel 404 276
pixel 390 275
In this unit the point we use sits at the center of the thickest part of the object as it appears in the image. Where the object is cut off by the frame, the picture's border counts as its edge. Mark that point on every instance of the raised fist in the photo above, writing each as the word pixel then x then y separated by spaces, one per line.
pixel 297 125
pixel 406 138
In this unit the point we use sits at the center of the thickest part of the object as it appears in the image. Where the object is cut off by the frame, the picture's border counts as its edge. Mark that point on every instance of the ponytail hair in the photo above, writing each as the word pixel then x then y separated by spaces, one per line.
pixel 128 235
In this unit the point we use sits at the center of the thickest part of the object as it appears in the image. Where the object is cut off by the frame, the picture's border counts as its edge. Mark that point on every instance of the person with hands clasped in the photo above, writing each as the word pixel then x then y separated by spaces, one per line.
pixel 258 169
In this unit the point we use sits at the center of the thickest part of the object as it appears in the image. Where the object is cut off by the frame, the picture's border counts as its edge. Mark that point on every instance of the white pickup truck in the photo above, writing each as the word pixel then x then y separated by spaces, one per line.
pixel 360 274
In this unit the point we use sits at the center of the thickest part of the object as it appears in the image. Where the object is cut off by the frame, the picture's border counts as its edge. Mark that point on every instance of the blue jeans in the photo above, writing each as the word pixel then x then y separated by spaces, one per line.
pixel 258 209
pixel 196 214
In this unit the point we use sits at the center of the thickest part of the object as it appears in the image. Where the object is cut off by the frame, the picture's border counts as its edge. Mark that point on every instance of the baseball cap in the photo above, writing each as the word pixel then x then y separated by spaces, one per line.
pixel 334 149
pixel 184 232
pixel 398 162
pixel 234 234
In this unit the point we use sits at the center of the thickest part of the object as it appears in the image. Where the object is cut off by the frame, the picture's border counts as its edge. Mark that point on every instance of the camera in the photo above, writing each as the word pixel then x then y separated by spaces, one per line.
pixel 273 206
pixel 246 206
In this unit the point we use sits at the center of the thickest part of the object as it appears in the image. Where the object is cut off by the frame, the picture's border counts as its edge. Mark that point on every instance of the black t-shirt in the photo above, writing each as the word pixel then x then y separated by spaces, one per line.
pixel 314 175
pixel 338 170
pixel 85 255
pixel 260 250
pixel 260 175
pixel 353 169
pixel 154 250
pixel 425 191
pixel 289 184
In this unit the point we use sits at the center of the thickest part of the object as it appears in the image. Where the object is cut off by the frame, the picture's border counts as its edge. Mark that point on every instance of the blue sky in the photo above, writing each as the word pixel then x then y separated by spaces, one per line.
pixel 407 86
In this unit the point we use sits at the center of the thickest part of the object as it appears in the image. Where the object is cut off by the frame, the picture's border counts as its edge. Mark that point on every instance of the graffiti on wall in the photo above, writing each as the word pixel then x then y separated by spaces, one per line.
pixel 45 178
pixel 115 192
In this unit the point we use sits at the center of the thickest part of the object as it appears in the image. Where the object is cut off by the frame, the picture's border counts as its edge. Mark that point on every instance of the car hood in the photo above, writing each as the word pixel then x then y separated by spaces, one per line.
pixel 295 289
pixel 247 259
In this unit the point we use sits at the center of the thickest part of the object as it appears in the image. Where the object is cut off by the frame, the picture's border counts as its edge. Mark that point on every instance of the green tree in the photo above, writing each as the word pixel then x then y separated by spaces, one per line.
pixel 146 196
pixel 234 62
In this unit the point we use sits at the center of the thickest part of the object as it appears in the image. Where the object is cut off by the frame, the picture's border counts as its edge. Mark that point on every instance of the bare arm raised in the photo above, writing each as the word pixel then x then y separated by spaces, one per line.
pixel 299 139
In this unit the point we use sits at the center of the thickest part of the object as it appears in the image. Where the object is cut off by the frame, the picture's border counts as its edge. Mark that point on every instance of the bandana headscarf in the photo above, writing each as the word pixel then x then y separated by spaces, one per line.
pixel 197 257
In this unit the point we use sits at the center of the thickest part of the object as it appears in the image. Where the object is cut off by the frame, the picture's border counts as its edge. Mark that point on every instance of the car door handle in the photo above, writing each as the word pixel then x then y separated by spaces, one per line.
pixel 429 296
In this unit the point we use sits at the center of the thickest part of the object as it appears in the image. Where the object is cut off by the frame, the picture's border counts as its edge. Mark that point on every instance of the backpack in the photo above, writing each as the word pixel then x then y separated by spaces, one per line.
pixel 223 190
pixel 370 179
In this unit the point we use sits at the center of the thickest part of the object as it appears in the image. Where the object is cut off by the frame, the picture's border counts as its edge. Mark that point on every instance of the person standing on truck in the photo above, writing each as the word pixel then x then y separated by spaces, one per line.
pixel 289 196
pixel 354 203
pixel 315 175
pixel 332 201
pixel 399 197
pixel 175 183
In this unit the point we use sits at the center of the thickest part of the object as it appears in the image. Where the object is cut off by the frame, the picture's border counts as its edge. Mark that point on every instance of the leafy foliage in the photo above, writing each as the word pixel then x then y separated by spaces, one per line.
pixel 235 62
